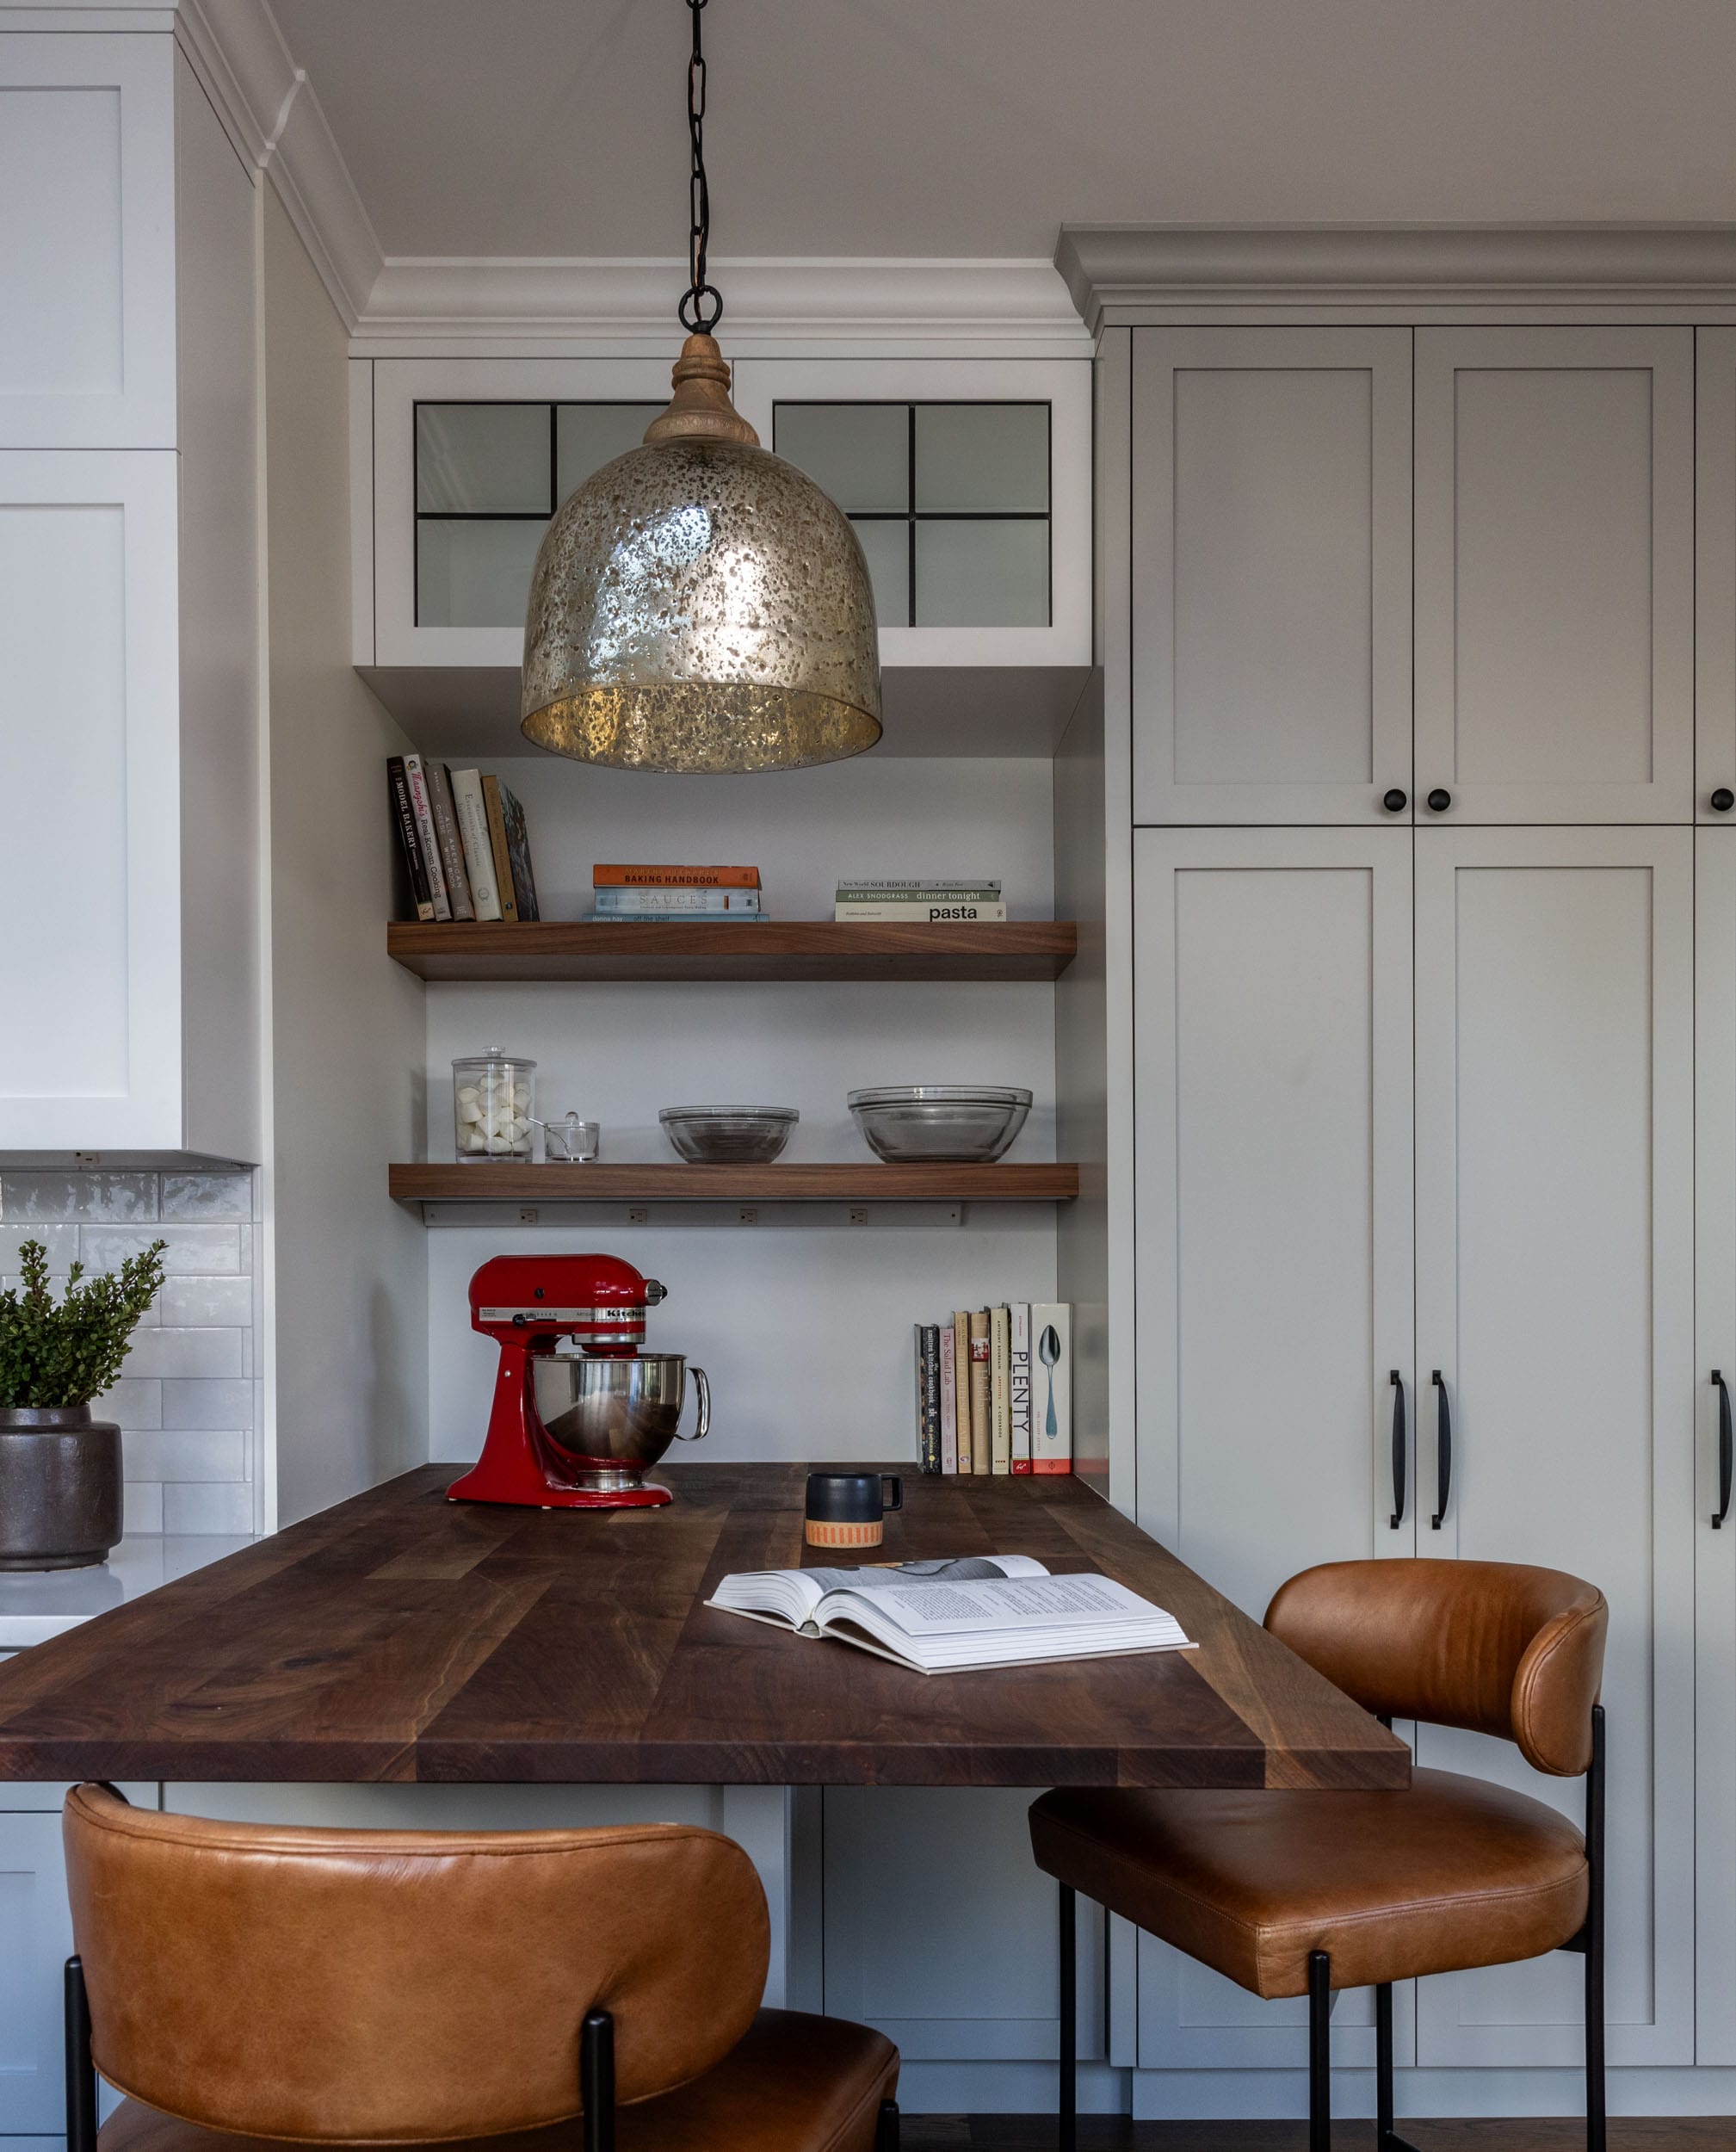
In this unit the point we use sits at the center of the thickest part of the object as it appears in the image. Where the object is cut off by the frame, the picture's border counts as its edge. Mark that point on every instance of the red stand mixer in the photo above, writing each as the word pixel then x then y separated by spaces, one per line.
pixel 574 1430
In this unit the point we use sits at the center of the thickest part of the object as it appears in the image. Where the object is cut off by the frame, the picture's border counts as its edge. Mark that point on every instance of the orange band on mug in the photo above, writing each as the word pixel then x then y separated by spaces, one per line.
pixel 823 1535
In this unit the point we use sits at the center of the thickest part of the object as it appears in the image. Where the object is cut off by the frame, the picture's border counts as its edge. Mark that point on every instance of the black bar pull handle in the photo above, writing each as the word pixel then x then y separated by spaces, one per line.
pixel 1399 1447
pixel 1726 1452
pixel 1443 1452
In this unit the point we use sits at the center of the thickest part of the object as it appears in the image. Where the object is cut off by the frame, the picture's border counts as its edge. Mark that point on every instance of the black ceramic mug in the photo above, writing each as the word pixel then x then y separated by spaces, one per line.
pixel 847 1507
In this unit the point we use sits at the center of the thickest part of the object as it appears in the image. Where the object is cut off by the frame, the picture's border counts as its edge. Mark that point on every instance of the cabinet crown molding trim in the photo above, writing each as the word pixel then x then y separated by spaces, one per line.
pixel 1133 273
pixel 791 306
pixel 271 113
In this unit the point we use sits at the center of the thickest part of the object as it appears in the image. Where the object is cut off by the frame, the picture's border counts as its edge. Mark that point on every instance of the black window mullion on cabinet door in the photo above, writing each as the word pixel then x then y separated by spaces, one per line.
pixel 911 510
pixel 554 457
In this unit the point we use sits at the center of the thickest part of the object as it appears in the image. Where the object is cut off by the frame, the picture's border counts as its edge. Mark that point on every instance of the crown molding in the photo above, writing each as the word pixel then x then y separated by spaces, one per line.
pixel 789 307
pixel 273 116
pixel 1132 273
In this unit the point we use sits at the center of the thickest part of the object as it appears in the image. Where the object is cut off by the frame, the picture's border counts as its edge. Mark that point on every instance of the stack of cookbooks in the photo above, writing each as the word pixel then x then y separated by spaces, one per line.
pixel 638 895
pixel 995 1389
pixel 966 900
pixel 464 841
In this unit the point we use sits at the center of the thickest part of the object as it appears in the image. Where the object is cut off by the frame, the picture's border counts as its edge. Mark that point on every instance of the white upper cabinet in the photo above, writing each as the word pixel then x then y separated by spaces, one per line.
pixel 1271 575
pixel 87 242
pixel 1555 574
pixel 968 485
pixel 1715 565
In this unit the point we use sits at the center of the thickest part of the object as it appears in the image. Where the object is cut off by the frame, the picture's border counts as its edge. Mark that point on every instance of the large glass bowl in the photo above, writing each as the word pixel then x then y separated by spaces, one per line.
pixel 728 1136
pixel 909 1124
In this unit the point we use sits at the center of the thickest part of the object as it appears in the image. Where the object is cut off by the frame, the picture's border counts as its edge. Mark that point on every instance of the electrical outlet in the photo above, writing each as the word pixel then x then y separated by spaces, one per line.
pixel 85 1159
pixel 748 1214
pixel 858 1214
pixel 527 1215
pixel 638 1215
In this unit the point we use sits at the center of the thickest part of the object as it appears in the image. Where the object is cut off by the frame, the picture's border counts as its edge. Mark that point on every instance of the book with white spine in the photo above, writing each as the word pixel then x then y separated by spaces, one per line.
pixel 478 852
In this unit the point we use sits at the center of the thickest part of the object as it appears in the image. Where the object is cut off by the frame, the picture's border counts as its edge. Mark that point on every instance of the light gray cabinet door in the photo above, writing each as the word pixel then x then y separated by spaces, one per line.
pixel 1272 1041
pixel 1272 553
pixel 1554 504
pixel 1554 1296
pixel 1714 574
pixel 1714 1551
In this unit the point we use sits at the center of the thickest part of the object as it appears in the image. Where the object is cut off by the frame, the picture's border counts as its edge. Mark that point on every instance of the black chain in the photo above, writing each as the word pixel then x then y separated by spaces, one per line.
pixel 692 309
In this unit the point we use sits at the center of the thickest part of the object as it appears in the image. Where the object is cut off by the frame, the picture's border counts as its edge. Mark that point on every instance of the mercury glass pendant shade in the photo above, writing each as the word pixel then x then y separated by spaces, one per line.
pixel 699 604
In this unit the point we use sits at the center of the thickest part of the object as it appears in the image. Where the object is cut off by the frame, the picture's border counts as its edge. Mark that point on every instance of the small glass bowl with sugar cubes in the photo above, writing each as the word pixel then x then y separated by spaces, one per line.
pixel 492 1106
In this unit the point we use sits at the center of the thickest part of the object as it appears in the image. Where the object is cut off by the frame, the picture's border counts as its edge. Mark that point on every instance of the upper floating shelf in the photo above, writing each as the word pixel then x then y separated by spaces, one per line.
pixel 865 1182
pixel 789 949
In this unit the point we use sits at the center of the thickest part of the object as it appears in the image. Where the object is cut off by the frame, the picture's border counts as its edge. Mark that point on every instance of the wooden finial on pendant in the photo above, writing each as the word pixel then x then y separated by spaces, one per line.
pixel 699 409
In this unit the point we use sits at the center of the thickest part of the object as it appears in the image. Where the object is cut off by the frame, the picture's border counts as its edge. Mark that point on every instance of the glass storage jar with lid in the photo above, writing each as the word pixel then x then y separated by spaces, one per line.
pixel 492 1103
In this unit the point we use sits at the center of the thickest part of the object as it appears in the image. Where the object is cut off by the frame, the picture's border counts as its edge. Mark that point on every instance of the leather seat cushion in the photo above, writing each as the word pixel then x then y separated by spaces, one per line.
pixel 1451 1874
pixel 794 2083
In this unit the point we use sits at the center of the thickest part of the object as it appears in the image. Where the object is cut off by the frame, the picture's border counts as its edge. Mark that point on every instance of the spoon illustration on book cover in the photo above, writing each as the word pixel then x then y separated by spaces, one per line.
pixel 1048 1352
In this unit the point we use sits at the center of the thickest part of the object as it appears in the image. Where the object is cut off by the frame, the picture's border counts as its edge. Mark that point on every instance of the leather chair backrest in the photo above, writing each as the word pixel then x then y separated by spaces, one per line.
pixel 1493 1645
pixel 338 1986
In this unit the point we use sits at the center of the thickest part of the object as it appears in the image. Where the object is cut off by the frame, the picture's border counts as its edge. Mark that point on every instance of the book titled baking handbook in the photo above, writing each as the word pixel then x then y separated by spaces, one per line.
pixel 958 1616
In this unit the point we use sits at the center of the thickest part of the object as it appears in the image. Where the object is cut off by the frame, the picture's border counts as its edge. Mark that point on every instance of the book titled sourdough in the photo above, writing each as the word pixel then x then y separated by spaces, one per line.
pixel 959 1616
pixel 1052 1386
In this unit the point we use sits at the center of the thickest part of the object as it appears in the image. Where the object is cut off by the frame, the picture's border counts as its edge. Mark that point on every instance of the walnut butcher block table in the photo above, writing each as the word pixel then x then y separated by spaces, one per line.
pixel 401 1637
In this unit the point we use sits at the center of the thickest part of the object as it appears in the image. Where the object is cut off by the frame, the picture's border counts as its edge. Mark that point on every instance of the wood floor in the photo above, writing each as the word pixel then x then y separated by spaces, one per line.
pixel 1037 2133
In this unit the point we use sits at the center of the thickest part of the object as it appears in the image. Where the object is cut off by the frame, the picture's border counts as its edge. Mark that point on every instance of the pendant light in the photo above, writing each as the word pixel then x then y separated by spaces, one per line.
pixel 699 604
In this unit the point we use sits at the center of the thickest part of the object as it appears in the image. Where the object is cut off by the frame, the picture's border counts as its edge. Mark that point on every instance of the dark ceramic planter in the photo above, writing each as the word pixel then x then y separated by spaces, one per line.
pixel 59 1488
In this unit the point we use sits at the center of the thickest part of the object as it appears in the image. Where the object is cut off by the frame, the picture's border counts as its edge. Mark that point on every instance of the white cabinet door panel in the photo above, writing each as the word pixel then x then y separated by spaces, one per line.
pixel 89 801
pixel 1715 571
pixel 87 242
pixel 1271 574
pixel 1273 1053
pixel 1554 1285
pixel 1554 475
pixel 1714 1554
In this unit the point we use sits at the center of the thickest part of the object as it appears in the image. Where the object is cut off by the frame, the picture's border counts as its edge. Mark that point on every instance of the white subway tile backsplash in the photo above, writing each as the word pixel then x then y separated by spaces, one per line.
pixel 135 1401
pixel 187 1453
pixel 207 1196
pixel 115 1196
pixel 197 1300
pixel 61 1242
pixel 141 1509
pixel 165 1351
pixel 198 1403
pixel 209 1506
pixel 189 1398
pixel 189 1251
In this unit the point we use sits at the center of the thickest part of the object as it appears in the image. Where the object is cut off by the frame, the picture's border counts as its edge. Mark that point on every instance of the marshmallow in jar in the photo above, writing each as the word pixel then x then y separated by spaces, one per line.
pixel 492 1106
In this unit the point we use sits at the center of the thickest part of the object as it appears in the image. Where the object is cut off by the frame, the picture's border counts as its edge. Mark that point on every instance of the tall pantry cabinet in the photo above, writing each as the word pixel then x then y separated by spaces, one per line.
pixel 1412 675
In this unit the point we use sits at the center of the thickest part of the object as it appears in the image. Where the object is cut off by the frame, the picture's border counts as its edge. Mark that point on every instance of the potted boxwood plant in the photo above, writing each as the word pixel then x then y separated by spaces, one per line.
pixel 59 1468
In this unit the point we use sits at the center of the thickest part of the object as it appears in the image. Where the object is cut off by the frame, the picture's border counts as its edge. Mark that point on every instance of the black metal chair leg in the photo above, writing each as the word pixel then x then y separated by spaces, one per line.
pixel 1319 2052
pixel 1067 2094
pixel 1595 2124
pixel 81 2071
pixel 1383 2066
pixel 886 2129
pixel 596 2080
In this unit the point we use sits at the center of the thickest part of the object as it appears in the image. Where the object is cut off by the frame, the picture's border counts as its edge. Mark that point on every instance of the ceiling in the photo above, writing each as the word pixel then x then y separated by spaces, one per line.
pixel 977 128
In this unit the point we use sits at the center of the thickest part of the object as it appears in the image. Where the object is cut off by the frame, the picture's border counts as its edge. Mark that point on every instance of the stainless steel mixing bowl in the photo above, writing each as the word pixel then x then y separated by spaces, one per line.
pixel 622 1414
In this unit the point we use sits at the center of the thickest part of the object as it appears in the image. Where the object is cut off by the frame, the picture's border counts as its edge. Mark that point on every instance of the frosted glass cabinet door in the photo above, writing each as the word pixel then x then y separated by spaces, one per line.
pixel 1272 594
pixel 1272 1050
pixel 1555 574
pixel 1554 1296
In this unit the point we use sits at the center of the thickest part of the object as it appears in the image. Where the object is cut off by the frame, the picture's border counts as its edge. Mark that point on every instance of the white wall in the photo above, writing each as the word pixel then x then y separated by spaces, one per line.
pixel 349 1273
pixel 804 1330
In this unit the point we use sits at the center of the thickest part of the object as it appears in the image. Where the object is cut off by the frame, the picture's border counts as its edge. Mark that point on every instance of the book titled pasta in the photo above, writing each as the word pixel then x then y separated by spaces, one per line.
pixel 957 1615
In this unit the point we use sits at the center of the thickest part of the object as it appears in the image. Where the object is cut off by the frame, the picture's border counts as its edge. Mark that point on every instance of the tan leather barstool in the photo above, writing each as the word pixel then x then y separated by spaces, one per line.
pixel 1300 1892
pixel 599 1988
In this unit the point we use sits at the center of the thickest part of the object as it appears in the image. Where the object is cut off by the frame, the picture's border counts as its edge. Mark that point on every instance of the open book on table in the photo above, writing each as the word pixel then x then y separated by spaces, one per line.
pixel 950 1617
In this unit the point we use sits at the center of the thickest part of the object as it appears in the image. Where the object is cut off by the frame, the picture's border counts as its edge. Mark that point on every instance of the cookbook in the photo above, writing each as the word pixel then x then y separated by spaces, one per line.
pixel 957 1615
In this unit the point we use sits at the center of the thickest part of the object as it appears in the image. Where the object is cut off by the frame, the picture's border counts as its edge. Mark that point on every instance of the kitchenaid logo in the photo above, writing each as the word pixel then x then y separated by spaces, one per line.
pixel 617 1318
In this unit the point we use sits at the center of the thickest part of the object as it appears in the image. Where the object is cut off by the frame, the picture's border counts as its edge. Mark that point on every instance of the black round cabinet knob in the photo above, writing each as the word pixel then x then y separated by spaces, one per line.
pixel 1723 799
pixel 1395 802
pixel 1439 801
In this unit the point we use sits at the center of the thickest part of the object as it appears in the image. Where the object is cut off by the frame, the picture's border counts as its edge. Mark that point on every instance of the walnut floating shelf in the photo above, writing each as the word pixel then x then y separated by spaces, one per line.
pixel 791 949
pixel 867 1183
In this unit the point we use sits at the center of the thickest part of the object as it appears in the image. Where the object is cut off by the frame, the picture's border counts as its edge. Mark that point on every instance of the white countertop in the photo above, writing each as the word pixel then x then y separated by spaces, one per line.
pixel 38 1604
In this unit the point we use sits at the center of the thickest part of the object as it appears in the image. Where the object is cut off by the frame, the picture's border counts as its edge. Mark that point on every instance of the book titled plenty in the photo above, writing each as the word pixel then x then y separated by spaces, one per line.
pixel 958 1616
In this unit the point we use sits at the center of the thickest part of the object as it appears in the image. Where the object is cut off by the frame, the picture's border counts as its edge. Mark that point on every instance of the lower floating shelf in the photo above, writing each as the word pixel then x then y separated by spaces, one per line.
pixel 865 1184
